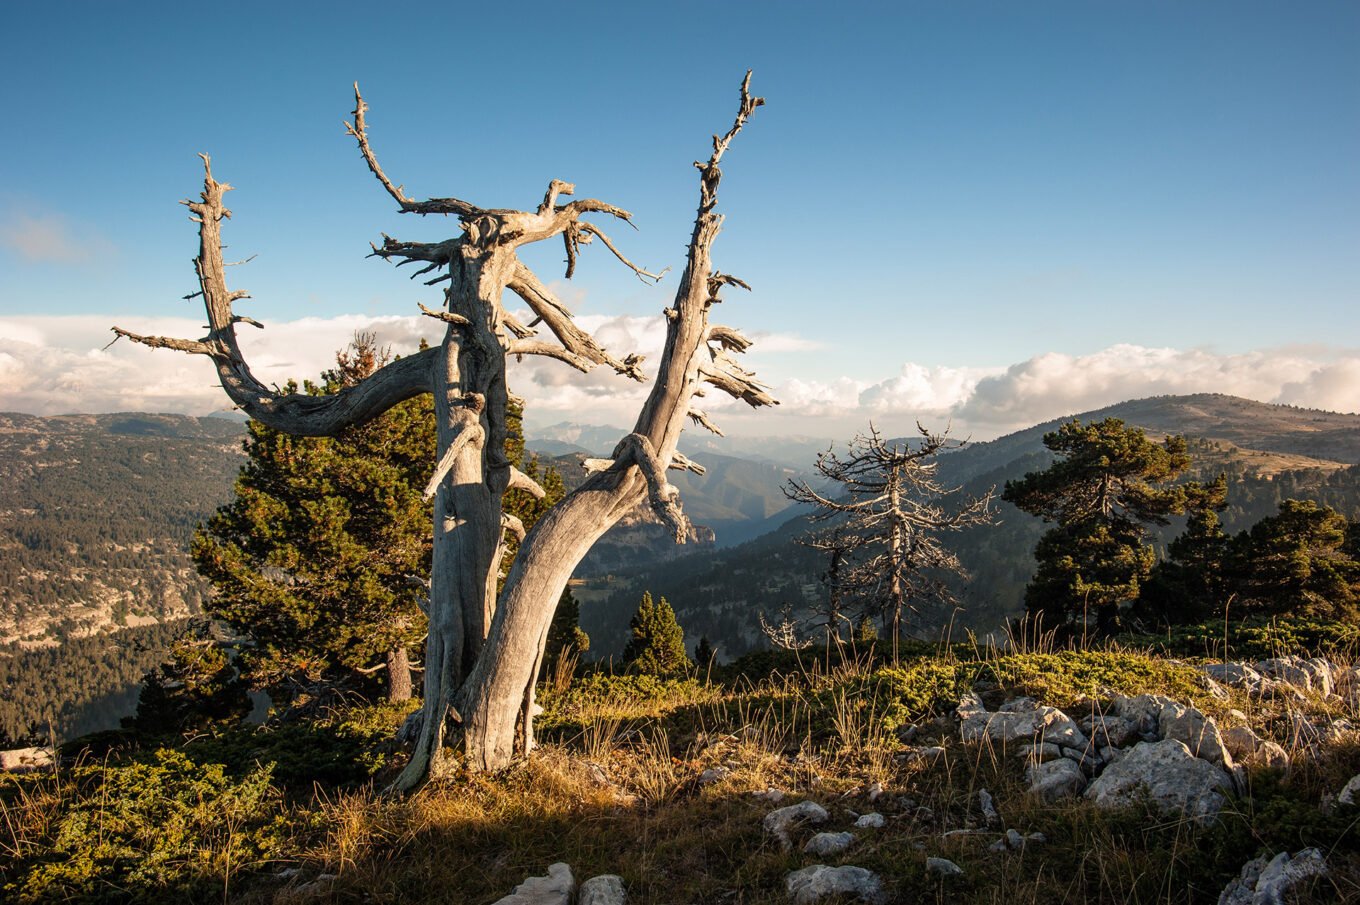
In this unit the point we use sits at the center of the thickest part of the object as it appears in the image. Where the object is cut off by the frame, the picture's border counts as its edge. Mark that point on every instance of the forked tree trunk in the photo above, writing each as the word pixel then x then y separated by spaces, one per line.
pixel 481 660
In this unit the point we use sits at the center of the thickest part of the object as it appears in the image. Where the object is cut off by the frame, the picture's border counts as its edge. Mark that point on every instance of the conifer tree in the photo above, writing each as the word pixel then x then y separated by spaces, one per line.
pixel 565 635
pixel 1190 584
pixel 656 644
pixel 704 653
pixel 1101 492
pixel 1298 561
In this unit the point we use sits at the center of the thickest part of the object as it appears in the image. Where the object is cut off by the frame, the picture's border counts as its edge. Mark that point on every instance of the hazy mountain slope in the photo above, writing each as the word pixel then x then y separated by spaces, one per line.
pixel 96 513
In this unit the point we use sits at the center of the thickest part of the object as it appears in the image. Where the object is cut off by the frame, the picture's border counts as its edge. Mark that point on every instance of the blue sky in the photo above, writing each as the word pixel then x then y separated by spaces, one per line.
pixel 986 211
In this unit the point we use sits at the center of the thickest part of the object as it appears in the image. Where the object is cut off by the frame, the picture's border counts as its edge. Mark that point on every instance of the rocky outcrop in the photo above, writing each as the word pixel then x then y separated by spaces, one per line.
pixel 554 889
pixel 1166 774
pixel 606 889
pixel 780 823
pixel 1265 882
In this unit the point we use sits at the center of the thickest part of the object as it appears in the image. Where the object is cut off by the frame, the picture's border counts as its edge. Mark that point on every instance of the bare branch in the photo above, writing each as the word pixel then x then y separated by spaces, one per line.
pixel 664 497
pixel 701 419
pixel 447 317
pixel 521 481
pixel 471 433
pixel 643 275
pixel 681 463
pixel 359 130
pixel 538 347
pixel 575 340
pixel 513 524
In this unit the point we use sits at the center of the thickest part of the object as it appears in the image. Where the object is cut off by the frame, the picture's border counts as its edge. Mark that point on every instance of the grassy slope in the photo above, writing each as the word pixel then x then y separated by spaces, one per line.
pixel 615 790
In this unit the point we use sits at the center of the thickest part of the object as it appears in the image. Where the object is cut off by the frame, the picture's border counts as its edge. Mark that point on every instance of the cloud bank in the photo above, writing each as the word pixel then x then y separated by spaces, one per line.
pixel 57 365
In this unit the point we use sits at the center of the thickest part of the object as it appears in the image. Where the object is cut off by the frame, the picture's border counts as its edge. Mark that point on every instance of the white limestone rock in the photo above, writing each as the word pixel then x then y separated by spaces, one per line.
pixel 1055 779
pixel 1266 883
pixel 812 884
pixel 606 889
pixel 1168 775
pixel 871 821
pixel 943 867
pixel 825 845
pixel 1196 731
pixel 554 889
pixel 780 823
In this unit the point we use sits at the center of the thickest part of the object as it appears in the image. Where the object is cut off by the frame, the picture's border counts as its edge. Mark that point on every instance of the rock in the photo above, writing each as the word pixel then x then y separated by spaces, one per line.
pixel 1324 679
pixel 1041 751
pixel 875 791
pixel 1170 776
pixel 1266 883
pixel 1245 745
pixel 1036 838
pixel 1014 840
pixel 1349 791
pixel 1290 670
pixel 1109 731
pixel 1271 755
pixel 26 760
pixel 1238 675
pixel 773 796
pixel 812 884
pixel 824 845
pixel 872 821
pixel 1143 711
pixel 943 867
pixel 713 775
pixel 1019 720
pixel 989 815
pixel 999 846
pixel 781 822
pixel 1196 731
pixel 554 889
pixel 606 889
pixel 1055 779
pixel 1089 761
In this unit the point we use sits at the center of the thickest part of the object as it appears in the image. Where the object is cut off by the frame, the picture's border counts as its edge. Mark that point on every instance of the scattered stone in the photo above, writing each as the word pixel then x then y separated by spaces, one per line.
pixel 713 775
pixel 554 889
pixel 1266 883
pixel 1196 731
pixel 1271 754
pixel 606 889
pixel 812 884
pixel 1349 791
pixel 989 815
pixel 1036 838
pixel 1169 775
pixel 999 845
pixel 943 867
pixel 1014 839
pixel 875 791
pixel 907 734
pixel 26 760
pixel 1055 780
pixel 872 821
pixel 774 796
pixel 1041 751
pixel 1238 675
pixel 824 845
pixel 1109 731
pixel 782 821
pixel 1019 720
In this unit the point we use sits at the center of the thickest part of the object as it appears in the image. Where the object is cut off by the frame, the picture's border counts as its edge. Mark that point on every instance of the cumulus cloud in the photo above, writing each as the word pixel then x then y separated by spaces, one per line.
pixel 56 365
pixel 51 238
pixel 991 401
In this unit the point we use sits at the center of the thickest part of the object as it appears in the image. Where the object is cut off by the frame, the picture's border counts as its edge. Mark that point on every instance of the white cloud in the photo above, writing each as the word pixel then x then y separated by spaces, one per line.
pixel 55 365
pixel 50 237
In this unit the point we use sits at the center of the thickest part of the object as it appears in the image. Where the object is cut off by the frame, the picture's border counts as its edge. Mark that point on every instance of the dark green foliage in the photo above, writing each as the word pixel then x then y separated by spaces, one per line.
pixel 1190 583
pixel 704 653
pixel 163 829
pixel 565 636
pixel 657 643
pixel 84 685
pixel 1101 492
pixel 195 688
pixel 1298 561
pixel 312 557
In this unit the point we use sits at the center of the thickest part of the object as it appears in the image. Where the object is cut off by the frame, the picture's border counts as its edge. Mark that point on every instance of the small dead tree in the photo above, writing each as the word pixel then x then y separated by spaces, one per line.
pixel 484 649
pixel 837 543
pixel 891 519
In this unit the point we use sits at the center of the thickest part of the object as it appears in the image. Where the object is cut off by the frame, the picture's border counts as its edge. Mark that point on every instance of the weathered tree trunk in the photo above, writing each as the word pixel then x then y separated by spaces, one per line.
pixel 398 674
pixel 481 661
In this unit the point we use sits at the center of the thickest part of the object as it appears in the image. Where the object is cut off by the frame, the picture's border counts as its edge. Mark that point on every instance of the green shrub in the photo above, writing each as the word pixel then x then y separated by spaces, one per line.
pixel 162 829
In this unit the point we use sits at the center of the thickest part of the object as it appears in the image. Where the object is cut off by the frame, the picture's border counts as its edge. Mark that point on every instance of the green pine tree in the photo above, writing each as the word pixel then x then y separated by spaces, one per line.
pixel 1104 488
pixel 704 653
pixel 565 636
pixel 656 645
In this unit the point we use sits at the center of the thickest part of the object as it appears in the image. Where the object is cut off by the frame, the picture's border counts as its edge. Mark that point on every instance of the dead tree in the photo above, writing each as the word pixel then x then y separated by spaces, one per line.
pixel 483 650
pixel 837 543
pixel 891 518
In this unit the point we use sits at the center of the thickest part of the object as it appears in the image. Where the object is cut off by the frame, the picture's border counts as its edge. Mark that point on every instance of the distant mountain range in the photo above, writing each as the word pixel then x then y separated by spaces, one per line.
pixel 565 438
pixel 1270 452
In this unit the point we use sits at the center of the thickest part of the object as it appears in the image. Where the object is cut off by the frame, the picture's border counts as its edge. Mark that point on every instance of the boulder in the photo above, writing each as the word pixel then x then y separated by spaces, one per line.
pixel 1349 791
pixel 1055 779
pixel 26 760
pixel 824 845
pixel 1144 711
pixel 1266 883
pixel 606 889
pixel 781 822
pixel 943 867
pixel 1109 731
pixel 1168 775
pixel 1245 745
pixel 554 889
pixel 812 884
pixel 1196 731
pixel 872 821
pixel 1238 675
pixel 1019 720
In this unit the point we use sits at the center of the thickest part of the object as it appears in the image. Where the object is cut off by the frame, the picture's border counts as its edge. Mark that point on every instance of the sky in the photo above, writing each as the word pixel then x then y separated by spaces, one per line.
pixel 989 214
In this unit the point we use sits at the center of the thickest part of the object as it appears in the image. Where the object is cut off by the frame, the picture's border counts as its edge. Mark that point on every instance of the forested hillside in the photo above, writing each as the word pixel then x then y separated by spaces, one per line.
pixel 96 514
